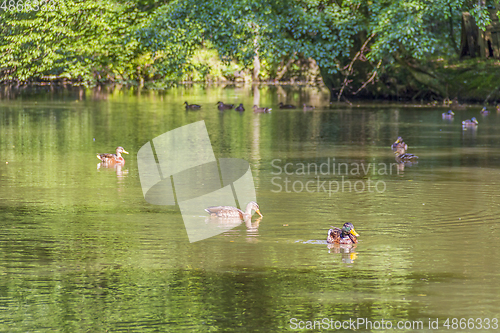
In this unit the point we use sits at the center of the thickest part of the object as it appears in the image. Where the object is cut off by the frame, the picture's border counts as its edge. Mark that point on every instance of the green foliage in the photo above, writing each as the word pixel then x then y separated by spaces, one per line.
pixel 89 40
pixel 95 41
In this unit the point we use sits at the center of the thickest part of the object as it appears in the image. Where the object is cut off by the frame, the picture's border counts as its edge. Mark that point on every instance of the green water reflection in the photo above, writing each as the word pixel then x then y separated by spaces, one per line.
pixel 81 250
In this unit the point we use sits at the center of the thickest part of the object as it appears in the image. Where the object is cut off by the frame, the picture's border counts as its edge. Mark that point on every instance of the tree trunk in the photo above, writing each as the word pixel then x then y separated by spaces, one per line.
pixel 256 67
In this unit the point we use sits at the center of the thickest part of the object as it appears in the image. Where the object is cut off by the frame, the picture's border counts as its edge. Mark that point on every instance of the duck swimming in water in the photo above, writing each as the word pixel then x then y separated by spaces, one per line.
pixel 470 122
pixel 229 211
pixel 287 106
pixel 192 106
pixel 221 106
pixel 113 158
pixel 346 235
pixel 256 109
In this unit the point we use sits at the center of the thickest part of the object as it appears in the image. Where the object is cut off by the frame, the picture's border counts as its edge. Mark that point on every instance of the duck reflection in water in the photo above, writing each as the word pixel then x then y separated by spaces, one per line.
pixel 228 223
pixel 120 173
pixel 348 251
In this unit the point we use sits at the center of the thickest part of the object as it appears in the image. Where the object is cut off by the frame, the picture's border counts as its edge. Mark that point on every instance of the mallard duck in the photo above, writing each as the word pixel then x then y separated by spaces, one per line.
pixel 448 115
pixel 192 106
pixel 346 235
pixel 287 106
pixel 402 157
pixel 470 122
pixel 399 144
pixel 484 111
pixel 256 109
pixel 113 158
pixel 308 107
pixel 221 106
pixel 240 108
pixel 229 211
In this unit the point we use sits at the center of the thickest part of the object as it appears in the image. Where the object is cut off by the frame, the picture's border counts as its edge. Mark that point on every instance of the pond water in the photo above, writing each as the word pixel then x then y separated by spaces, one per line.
pixel 82 251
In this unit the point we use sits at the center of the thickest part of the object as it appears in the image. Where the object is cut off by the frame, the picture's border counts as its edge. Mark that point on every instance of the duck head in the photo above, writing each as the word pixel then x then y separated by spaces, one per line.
pixel 347 229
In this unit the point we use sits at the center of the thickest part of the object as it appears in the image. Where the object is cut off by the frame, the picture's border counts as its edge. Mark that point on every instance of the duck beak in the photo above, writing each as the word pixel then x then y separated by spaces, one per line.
pixel 354 232
pixel 125 152
pixel 258 212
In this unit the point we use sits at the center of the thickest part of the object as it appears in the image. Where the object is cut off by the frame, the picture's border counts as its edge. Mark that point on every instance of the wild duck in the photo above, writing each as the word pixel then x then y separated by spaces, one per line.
pixel 113 158
pixel 287 106
pixel 229 211
pixel 221 106
pixel 192 106
pixel 484 111
pixel 470 122
pixel 346 235
pixel 240 108
pixel 256 109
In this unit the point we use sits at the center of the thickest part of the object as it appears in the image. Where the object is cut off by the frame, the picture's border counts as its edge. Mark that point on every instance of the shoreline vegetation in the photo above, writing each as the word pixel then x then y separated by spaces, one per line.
pixel 398 50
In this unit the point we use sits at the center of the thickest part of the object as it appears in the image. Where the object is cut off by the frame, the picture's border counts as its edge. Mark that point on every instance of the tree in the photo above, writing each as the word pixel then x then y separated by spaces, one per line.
pixel 346 38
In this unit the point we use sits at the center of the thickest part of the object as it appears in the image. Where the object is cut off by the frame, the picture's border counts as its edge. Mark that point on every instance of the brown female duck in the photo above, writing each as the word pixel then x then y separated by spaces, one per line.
pixel 229 211
pixel 346 235
pixel 113 158
pixel 256 109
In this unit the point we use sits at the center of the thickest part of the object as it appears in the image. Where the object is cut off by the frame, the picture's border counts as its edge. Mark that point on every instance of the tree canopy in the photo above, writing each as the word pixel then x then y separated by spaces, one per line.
pixel 96 41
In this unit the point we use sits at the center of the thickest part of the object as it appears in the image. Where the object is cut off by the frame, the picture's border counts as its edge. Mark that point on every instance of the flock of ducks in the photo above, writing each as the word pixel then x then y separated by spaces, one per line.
pixel 345 235
pixel 468 123
pixel 240 108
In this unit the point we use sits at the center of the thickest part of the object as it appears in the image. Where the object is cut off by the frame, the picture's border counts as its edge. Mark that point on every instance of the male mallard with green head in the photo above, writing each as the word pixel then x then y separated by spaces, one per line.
pixel 346 235
pixel 448 115
pixel 470 122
